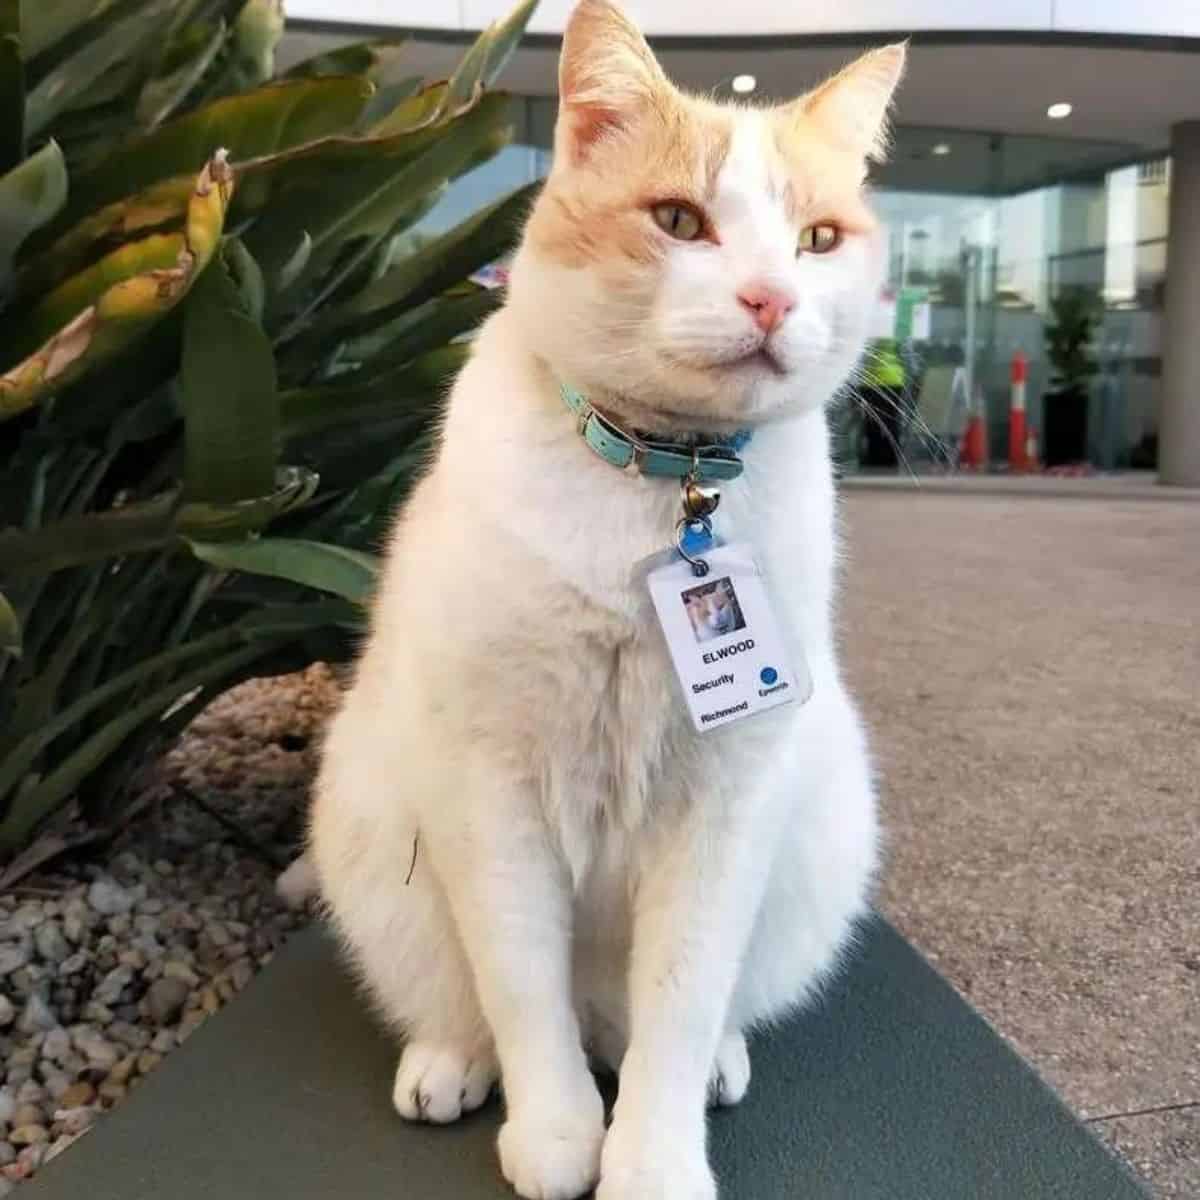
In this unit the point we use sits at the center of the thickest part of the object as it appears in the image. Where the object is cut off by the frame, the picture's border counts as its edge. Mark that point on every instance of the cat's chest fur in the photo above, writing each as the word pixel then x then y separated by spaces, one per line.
pixel 531 552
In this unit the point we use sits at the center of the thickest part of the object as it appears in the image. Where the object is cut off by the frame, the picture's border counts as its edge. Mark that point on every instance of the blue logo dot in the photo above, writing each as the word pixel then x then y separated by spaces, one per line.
pixel 769 676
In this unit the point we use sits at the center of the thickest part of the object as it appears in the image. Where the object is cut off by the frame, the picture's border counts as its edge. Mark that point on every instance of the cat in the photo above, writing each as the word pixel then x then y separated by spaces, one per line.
pixel 529 853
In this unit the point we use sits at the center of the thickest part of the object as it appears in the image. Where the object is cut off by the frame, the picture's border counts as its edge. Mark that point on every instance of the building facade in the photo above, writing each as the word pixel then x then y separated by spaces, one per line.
pixel 1044 149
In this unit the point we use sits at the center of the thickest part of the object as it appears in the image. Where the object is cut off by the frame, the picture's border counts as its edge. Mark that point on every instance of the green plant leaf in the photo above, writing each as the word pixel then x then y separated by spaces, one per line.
pixel 61 87
pixel 230 402
pixel 473 244
pixel 370 200
pixel 148 525
pixel 413 388
pixel 30 195
pixel 490 53
pixel 434 323
pixel 361 58
pixel 346 573
pixel 33 805
pixel 260 123
pixel 12 92
pixel 10 629
pixel 248 276
pixel 43 23
pixel 161 95
pixel 124 310
pixel 160 208
pixel 295 263
pixel 208 521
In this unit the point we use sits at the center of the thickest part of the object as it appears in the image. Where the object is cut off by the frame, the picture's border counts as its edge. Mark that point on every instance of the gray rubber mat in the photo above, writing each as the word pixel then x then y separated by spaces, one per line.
pixel 891 1089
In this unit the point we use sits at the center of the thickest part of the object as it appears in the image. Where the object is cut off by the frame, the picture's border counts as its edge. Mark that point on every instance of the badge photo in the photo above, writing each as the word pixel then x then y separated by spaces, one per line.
pixel 724 639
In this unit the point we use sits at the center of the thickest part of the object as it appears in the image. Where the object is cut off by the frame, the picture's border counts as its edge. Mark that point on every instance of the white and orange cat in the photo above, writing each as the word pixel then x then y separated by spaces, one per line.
pixel 530 854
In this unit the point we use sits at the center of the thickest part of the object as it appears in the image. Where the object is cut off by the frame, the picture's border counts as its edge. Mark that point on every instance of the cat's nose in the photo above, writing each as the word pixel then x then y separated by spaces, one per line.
pixel 766 304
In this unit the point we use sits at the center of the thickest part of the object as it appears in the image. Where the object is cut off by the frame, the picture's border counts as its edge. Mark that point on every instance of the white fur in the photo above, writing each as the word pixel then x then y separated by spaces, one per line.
pixel 528 851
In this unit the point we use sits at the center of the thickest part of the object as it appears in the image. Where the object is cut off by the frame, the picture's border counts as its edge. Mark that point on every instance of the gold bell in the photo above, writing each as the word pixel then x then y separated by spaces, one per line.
pixel 699 499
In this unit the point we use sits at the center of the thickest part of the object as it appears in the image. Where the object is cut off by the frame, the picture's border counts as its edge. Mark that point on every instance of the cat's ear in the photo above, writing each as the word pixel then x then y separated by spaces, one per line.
pixel 852 107
pixel 606 75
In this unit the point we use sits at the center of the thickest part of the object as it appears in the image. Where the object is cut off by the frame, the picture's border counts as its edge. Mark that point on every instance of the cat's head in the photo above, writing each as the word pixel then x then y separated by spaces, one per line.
pixel 694 262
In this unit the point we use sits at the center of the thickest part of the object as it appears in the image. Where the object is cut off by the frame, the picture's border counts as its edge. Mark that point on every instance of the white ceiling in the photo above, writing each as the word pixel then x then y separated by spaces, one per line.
pixel 1178 18
pixel 1123 94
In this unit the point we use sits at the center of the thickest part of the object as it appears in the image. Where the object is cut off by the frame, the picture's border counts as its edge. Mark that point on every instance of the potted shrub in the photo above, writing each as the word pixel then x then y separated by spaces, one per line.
pixel 1074 314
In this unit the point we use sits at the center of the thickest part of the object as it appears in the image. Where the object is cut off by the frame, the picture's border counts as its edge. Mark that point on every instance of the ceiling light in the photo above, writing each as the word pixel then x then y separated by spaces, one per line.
pixel 1056 112
pixel 744 83
pixel 941 149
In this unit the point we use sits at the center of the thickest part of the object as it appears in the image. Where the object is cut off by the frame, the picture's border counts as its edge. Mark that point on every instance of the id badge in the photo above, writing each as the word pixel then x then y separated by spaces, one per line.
pixel 724 639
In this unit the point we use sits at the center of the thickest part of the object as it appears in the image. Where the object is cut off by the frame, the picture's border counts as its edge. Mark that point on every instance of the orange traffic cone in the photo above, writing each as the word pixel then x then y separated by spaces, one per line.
pixel 1018 373
pixel 973 453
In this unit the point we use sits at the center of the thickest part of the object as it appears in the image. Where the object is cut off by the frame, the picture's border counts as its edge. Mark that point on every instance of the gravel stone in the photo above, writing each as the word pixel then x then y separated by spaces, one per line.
pixel 106 896
pixel 241 973
pixel 147 1061
pixel 13 956
pixel 8 1105
pixel 95 1048
pixel 57 1045
pixel 77 921
pixel 21 922
pixel 24 1056
pixel 73 964
pixel 97 1013
pixel 122 1071
pixel 7 1155
pixel 77 1095
pixel 136 1037
pixel 56 1084
pixel 113 985
pixel 8 1014
pixel 163 1042
pixel 28 1114
pixel 37 1015
pixel 166 998
pixel 76 1120
pixel 49 942
pixel 28 1135
pixel 19 1072
pixel 112 1091
pixel 31 1092
pixel 181 971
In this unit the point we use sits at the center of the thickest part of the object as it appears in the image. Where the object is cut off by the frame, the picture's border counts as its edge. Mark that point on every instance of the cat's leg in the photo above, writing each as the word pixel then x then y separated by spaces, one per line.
pixel 820 881
pixel 388 906
pixel 510 893
pixel 694 913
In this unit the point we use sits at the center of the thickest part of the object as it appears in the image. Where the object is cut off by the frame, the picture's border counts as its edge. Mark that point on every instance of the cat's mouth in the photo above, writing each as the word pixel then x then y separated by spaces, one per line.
pixel 764 356
pixel 761 359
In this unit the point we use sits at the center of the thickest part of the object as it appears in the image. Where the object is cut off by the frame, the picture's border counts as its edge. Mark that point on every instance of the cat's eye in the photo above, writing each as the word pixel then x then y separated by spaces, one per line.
pixel 679 220
pixel 819 239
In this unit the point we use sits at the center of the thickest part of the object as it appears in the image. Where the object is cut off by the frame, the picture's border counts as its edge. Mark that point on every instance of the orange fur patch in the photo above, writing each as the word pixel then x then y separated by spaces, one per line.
pixel 628 139
pixel 597 209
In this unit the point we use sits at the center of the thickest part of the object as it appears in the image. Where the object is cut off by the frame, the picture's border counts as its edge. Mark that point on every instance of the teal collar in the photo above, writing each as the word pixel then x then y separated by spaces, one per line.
pixel 709 457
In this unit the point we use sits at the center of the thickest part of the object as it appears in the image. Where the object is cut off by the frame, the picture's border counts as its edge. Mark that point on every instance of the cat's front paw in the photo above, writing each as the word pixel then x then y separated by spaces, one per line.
pixel 439 1083
pixel 654 1169
pixel 554 1153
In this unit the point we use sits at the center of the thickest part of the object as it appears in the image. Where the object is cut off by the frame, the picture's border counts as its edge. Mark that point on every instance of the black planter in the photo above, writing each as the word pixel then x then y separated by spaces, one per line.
pixel 1064 427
